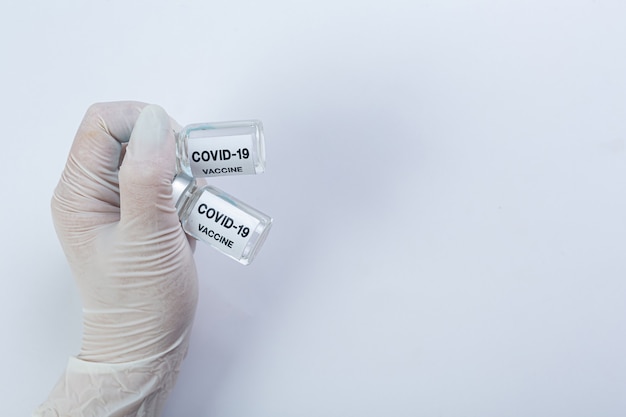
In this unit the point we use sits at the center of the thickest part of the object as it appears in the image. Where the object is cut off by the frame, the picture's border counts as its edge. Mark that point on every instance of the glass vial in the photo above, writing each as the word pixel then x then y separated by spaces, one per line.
pixel 214 217
pixel 223 148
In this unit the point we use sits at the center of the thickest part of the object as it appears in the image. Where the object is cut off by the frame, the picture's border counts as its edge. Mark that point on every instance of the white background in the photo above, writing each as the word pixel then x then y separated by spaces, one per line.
pixel 447 179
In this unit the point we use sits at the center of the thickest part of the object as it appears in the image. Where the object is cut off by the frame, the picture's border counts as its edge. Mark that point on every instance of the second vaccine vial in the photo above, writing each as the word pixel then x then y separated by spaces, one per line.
pixel 214 217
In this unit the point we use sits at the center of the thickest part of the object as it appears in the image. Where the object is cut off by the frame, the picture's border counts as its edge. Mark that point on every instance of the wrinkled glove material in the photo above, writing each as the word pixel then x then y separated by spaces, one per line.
pixel 133 264
pixel 133 389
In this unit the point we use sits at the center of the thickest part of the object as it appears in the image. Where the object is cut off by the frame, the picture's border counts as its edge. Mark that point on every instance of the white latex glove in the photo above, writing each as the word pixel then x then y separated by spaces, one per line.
pixel 132 262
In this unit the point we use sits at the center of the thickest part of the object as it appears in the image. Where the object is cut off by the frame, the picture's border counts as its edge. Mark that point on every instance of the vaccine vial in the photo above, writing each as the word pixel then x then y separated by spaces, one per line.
pixel 222 148
pixel 214 217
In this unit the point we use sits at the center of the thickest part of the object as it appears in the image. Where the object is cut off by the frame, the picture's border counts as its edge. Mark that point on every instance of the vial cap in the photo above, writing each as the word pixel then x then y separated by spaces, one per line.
pixel 181 184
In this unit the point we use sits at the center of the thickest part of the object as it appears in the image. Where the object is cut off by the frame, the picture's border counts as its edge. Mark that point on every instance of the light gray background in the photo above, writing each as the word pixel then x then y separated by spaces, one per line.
pixel 447 179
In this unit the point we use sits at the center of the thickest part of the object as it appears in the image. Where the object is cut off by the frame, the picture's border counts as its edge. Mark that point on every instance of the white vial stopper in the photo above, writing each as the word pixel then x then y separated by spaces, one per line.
pixel 183 187
pixel 221 148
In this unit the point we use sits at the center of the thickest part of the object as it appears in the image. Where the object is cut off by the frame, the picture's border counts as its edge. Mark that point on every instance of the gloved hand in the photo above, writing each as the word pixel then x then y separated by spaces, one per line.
pixel 131 260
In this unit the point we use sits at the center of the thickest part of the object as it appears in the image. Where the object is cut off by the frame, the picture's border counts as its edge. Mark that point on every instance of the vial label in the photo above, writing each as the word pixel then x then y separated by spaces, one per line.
pixel 221 155
pixel 221 224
